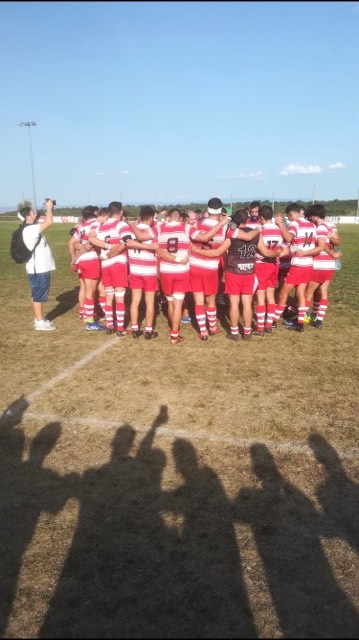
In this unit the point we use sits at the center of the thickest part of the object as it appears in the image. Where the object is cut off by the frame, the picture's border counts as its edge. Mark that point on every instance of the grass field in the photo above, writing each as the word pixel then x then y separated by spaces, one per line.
pixel 204 490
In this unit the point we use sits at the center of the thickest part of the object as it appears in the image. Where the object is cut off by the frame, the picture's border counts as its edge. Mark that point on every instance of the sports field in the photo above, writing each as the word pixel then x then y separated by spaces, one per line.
pixel 203 490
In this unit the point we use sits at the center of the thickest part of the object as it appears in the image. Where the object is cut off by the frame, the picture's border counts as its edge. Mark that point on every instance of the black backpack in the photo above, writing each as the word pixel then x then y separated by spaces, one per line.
pixel 18 249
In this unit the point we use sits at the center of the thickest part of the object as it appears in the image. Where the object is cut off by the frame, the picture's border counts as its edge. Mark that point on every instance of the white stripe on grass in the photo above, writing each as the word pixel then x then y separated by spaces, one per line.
pixel 284 447
pixel 246 443
pixel 68 372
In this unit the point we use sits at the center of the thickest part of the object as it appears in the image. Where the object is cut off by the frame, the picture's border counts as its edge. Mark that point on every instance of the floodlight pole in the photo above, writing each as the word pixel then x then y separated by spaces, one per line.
pixel 29 125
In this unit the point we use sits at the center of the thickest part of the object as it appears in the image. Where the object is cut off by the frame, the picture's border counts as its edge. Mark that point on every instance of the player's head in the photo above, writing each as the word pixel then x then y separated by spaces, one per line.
pixel 184 216
pixel 192 217
pixel 214 207
pixel 147 214
pixel 174 213
pixel 265 212
pixel 89 212
pixel 240 217
pixel 293 211
pixel 115 208
pixel 103 214
pixel 315 212
pixel 254 208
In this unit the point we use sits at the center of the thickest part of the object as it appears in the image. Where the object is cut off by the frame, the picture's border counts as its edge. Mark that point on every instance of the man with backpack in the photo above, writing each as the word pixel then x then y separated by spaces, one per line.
pixel 41 262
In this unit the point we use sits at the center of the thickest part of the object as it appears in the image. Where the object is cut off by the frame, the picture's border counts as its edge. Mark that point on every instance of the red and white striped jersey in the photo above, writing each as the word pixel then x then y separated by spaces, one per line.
pixel 82 234
pixel 305 234
pixel 273 239
pixel 253 223
pixel 141 261
pixel 103 232
pixel 331 226
pixel 203 226
pixel 173 236
pixel 119 231
pixel 323 260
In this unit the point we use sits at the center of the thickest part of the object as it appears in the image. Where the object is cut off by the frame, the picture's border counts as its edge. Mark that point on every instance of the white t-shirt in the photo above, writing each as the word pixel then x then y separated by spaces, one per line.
pixel 42 259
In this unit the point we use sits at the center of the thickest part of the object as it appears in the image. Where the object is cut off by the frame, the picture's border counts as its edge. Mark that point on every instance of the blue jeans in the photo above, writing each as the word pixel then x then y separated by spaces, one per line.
pixel 40 285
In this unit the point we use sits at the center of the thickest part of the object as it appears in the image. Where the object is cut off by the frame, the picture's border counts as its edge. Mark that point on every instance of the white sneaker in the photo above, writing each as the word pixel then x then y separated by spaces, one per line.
pixel 43 325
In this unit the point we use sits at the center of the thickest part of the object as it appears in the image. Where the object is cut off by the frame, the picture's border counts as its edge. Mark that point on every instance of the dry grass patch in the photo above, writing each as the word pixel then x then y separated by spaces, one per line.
pixel 235 515
pixel 127 533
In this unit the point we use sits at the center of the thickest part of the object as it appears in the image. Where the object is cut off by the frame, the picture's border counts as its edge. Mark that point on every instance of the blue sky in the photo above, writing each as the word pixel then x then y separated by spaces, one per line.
pixel 167 102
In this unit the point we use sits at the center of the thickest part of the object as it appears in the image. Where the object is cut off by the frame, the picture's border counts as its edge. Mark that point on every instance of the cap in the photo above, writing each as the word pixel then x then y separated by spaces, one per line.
pixel 23 213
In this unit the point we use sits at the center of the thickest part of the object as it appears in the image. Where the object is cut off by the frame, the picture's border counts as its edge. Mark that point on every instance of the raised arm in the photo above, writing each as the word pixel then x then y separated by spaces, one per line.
pixel 288 237
pixel 49 218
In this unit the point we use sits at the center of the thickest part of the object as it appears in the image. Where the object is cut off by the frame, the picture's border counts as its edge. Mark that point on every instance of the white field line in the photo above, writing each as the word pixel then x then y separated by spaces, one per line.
pixel 281 447
pixel 68 372
pixel 288 447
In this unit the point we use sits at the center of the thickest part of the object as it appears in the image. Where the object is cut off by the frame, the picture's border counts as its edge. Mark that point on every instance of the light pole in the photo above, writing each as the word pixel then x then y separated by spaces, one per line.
pixel 29 125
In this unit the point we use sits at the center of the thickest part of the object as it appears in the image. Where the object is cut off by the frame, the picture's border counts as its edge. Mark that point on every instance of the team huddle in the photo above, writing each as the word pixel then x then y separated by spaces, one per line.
pixel 198 261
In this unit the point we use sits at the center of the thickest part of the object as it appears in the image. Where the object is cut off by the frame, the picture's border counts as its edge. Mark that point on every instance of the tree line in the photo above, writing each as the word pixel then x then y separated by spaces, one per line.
pixel 333 207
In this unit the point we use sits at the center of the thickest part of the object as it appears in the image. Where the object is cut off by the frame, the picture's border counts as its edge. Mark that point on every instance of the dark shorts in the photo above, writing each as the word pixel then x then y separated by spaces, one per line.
pixel 40 285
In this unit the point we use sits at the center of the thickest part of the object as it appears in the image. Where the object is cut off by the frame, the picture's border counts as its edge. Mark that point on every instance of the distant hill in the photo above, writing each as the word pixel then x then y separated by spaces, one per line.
pixel 12 207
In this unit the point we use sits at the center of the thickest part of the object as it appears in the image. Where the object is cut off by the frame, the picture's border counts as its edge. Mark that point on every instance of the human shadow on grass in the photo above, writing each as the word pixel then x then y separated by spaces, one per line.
pixel 223 318
pixel 26 490
pixel 116 579
pixel 131 571
pixel 66 301
pixel 286 527
pixel 212 596
pixel 338 495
